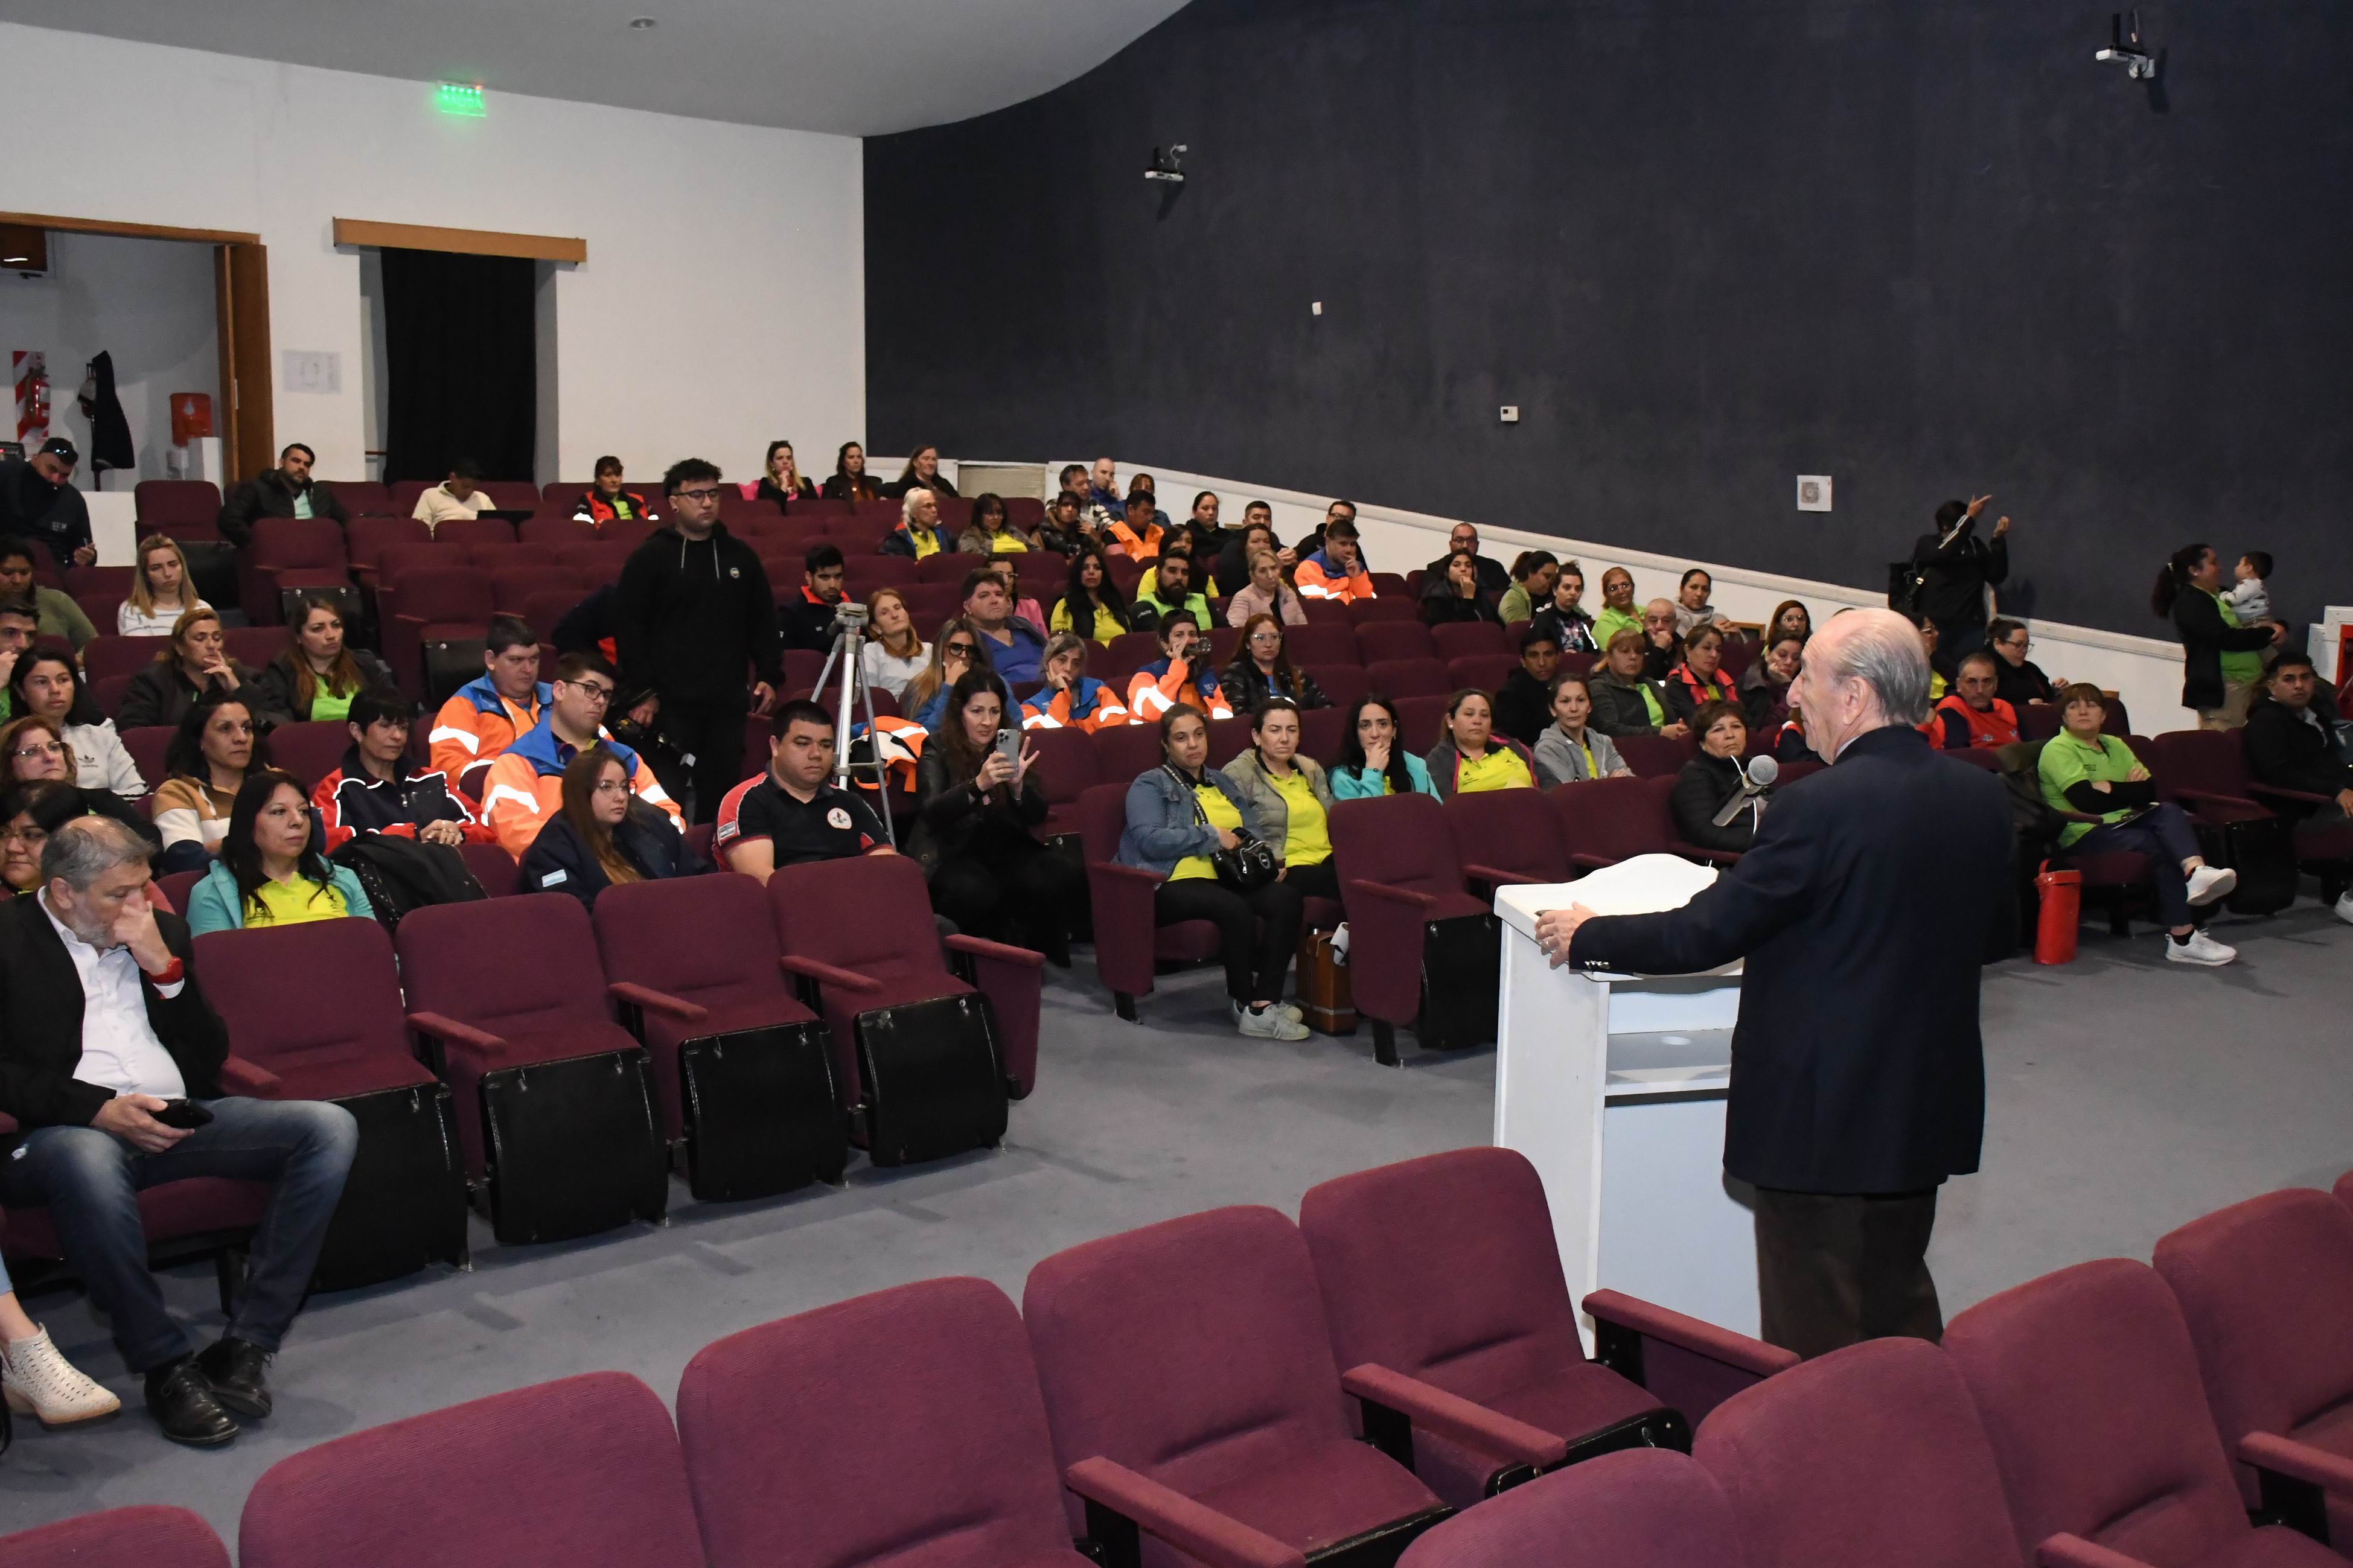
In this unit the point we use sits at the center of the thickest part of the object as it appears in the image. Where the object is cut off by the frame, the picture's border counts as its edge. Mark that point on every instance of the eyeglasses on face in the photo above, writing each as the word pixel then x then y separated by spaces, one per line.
pixel 595 690
pixel 702 494
pixel 40 748
pixel 611 786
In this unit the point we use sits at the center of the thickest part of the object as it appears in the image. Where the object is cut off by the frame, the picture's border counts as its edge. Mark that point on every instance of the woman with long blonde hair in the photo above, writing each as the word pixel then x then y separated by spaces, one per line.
pixel 160 590
pixel 895 653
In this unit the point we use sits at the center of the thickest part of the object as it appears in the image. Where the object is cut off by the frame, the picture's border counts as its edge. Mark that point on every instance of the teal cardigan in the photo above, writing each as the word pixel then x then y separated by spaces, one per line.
pixel 1363 784
pixel 212 904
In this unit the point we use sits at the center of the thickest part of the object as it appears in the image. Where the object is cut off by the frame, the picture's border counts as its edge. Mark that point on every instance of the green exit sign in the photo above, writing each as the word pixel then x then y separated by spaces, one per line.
pixel 457 98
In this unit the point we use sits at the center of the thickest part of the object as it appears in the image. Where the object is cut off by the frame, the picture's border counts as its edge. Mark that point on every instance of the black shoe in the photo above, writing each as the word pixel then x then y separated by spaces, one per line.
pixel 238 1373
pixel 184 1406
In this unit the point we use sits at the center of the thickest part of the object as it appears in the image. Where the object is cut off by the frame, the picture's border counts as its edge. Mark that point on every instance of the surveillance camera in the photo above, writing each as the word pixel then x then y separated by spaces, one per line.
pixel 2124 48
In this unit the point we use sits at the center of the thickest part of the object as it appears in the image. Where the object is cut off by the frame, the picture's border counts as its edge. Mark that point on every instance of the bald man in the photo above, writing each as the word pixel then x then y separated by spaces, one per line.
pixel 1871 896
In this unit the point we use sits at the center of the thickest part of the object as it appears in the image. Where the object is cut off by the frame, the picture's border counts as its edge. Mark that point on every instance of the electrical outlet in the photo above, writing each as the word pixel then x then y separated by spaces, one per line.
pixel 1511 414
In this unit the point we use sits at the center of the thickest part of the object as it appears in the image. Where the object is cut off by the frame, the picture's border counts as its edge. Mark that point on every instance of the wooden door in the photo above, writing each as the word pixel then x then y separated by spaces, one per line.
pixel 241 298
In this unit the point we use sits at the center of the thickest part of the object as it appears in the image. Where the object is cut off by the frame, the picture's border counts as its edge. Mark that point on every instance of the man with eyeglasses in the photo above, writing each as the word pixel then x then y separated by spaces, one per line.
pixel 1495 578
pixel 19 624
pixel 2016 681
pixel 525 786
pixel 692 611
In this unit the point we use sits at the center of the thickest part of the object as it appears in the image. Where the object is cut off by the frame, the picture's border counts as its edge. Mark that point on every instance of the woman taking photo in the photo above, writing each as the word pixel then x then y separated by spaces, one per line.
pixel 38 753
pixel 1765 684
pixel 376 789
pixel 1471 757
pixel 1371 761
pixel 1263 670
pixel 1571 751
pixel 196 665
pixel 1456 596
pixel 1565 616
pixel 894 655
pixel 992 532
pixel 975 807
pixel 1700 680
pixel 1267 594
pixel 1711 778
pixel 45 685
pixel 1181 814
pixel 1070 698
pixel 850 481
pixel 1179 678
pixel 271 872
pixel 160 590
pixel 781 483
pixel 318 675
pixel 2222 661
pixel 1092 605
pixel 603 835
pixel 205 766
pixel 922 472
pixel 1290 796
pixel 958 652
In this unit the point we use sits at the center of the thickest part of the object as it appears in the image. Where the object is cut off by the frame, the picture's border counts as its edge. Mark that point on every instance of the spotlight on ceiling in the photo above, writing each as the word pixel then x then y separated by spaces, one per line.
pixel 641 24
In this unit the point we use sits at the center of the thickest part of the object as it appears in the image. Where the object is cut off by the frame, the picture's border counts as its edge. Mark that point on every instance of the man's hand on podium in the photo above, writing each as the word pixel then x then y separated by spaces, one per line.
pixel 1555 927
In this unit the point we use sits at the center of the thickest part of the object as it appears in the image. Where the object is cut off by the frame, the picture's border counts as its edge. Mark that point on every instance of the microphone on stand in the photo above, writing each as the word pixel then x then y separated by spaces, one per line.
pixel 1756 778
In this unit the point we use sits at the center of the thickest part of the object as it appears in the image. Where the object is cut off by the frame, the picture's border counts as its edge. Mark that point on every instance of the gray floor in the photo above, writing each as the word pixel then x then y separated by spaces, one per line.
pixel 2127 1095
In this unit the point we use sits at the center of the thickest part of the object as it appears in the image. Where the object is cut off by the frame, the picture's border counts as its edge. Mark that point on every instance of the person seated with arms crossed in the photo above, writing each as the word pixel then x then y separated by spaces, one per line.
pixel 375 790
pixel 45 685
pixel 1617 613
pixel 1179 678
pixel 1972 715
pixel 1767 683
pixel 1178 816
pixel 918 534
pixel 1713 778
pixel 1692 608
pixel 851 481
pixel 56 615
pixel 1626 701
pixel 958 649
pixel 162 591
pixel 1336 571
pixel 1092 605
pixel 1533 572
pixel 1455 596
pixel 1698 677
pixel 1071 698
pixel 1262 670
pixel 1524 705
pixel 320 674
pixel 1290 796
pixel 2018 679
pixel 807 618
pixel 2294 742
pixel 1571 751
pixel 286 491
pixel 271 872
pixel 992 532
pixel 606 502
pixel 38 753
pixel 1266 594
pixel 1168 588
pixel 1016 650
pixel 1134 531
pixel 602 833
pixel 104 1033
pixel 483 717
pixel 794 813
pixel 975 807
pixel 524 789
pixel 1490 579
pixel 1564 615
pixel 781 482
pixel 215 747
pixel 895 653
pixel 1372 762
pixel 2085 772
pixel 1470 757
pixel 460 495
pixel 922 472
pixel 1256 534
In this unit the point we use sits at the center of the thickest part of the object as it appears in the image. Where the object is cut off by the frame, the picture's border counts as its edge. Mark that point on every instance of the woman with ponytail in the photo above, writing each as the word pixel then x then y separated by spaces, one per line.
pixel 2222 661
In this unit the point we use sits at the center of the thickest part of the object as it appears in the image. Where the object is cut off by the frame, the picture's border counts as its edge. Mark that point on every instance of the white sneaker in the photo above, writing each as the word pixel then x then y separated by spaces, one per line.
pixel 1270 1024
pixel 2200 949
pixel 2209 883
pixel 2344 908
pixel 36 1381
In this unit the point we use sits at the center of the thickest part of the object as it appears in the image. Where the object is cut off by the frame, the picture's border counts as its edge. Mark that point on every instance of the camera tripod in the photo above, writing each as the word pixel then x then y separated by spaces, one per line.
pixel 856 696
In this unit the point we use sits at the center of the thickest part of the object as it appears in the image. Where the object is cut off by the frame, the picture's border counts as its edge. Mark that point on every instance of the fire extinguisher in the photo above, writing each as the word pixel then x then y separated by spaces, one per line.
pixel 2062 897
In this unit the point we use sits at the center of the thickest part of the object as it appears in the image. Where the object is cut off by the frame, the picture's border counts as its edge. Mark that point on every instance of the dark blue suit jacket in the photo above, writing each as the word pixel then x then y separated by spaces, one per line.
pixel 1874 891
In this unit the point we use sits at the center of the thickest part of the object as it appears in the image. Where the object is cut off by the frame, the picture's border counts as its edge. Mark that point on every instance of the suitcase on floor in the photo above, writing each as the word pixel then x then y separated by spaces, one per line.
pixel 2262 850
pixel 573 1147
pixel 404 1204
pixel 760 1112
pixel 1461 969
pixel 935 1079
pixel 1326 1002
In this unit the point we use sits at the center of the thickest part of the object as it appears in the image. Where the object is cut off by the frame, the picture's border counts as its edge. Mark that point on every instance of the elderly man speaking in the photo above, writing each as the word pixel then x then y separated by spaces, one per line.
pixel 1873 895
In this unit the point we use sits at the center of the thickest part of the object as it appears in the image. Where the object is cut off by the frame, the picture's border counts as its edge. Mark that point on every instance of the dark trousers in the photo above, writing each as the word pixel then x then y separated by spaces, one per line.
pixel 712 734
pixel 1023 898
pixel 1257 932
pixel 2164 835
pixel 1833 1268
pixel 1321 880
pixel 91 1181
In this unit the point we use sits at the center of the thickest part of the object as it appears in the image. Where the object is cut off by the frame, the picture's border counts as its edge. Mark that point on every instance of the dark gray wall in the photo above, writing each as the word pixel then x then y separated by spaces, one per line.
pixel 1706 245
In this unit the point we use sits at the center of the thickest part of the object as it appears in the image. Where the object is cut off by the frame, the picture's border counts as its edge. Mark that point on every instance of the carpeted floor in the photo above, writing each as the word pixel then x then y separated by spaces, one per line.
pixel 2126 1096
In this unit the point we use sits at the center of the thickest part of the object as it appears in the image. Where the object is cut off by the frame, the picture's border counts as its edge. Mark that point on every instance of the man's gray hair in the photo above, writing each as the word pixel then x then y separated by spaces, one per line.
pixel 88 847
pixel 1883 650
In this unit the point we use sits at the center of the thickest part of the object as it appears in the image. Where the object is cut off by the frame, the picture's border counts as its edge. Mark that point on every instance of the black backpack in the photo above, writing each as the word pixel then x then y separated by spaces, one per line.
pixel 1907 584
pixel 399 874
pixel 2038 826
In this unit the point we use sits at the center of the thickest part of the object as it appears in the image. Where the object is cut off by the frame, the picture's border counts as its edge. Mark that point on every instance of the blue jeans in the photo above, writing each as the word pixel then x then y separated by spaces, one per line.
pixel 2164 835
pixel 91 1181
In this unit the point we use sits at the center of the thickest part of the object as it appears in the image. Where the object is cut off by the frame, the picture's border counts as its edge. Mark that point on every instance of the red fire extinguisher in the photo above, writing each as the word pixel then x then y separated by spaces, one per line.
pixel 2062 896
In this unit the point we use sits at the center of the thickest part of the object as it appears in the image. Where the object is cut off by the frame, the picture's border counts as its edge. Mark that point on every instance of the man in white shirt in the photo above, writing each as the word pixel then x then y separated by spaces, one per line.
pixel 460 495
pixel 110 1059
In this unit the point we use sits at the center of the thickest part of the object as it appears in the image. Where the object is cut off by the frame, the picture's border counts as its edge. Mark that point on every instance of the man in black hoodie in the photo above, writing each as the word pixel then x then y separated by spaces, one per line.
pixel 1524 706
pixel 692 611
pixel 1958 568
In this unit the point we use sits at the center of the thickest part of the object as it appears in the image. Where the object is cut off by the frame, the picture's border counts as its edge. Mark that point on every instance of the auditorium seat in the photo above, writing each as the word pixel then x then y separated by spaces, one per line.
pixel 2088 1384
pixel 1383 641
pixel 406 493
pixel 492 866
pixel 1604 821
pixel 1229 738
pixel 1311 644
pixel 2265 1287
pixel 1461 639
pixel 112 582
pixel 1508 835
pixel 1422 952
pixel 194 1217
pixel 1325 613
pixel 939 1456
pixel 444 604
pixel 1393 586
pixel 253 646
pixel 1656 757
pixel 1128 945
pixel 1320 729
pixel 288 552
pixel 108 692
pixel 362 497
pixel 1365 612
pixel 1190 1387
pixel 2039 720
pixel 1644 1509
pixel 139 1537
pixel 1401 678
pixel 103 609
pixel 1869 1456
pixel 1421 720
pixel 1484 672
pixel 1125 753
pixel 1346 685
pixel 106 655
pixel 582 1471
pixel 148 745
pixel 309 750
pixel 743 1072
pixel 474 531
pixel 1064 770
pixel 165 503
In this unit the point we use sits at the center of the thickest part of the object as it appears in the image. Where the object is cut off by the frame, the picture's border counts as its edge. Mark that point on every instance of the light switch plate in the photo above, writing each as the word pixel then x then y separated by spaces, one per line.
pixel 1511 414
pixel 1813 492
pixel 312 370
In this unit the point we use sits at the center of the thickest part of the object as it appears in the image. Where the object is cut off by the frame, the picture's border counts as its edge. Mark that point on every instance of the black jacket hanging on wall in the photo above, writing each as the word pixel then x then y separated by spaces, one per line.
pixel 110 432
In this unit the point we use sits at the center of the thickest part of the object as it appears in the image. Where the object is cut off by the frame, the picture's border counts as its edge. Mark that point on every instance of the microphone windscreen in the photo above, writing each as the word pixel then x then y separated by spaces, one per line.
pixel 1763 771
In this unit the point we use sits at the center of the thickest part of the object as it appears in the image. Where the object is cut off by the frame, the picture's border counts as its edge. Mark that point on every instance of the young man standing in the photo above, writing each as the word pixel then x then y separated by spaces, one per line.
pixel 525 786
pixel 794 813
pixel 692 612
pixel 483 717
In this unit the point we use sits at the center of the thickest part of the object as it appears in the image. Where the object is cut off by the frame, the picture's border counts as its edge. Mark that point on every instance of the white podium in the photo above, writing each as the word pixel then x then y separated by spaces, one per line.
pixel 1614 1088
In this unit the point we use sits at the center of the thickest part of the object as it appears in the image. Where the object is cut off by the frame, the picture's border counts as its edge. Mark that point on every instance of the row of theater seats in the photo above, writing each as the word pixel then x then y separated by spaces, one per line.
pixel 559 1067
pixel 1397 1378
pixel 197 503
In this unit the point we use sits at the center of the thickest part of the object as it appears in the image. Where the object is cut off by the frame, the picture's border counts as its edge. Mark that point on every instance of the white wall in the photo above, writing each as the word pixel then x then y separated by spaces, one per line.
pixel 147 302
pixel 722 303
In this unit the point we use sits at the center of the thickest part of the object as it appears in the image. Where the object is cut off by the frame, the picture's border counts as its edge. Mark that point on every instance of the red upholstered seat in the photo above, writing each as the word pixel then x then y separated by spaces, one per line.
pixel 1656 757
pixel 1400 678
pixel 1478 671
pixel 316 1004
pixel 1388 608
pixel 288 552
pixel 310 748
pixel 1065 769
pixel 143 1537
pixel 174 1211
pixel 1461 639
pixel 1604 821
pixel 1312 644
pixel 1644 1509
pixel 163 503
pixel 1382 640
pixel 1398 870
pixel 1127 943
pixel 1515 832
pixel 1344 685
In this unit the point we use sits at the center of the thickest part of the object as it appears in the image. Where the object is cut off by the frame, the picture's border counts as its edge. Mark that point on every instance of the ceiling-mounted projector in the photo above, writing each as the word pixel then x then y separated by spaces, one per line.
pixel 2124 48
pixel 1165 167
